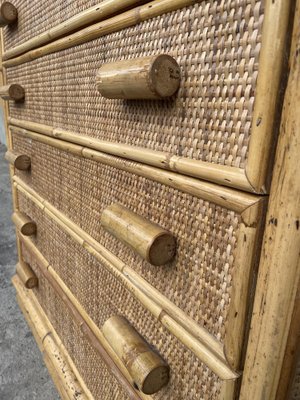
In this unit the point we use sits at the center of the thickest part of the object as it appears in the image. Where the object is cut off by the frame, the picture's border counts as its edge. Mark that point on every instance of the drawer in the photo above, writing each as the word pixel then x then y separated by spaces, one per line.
pixel 209 129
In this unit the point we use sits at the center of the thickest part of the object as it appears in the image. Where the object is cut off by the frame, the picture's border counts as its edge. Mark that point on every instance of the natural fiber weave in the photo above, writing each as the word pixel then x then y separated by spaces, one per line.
pixel 217 45
pixel 295 392
pixel 199 280
pixel 102 295
pixel 35 17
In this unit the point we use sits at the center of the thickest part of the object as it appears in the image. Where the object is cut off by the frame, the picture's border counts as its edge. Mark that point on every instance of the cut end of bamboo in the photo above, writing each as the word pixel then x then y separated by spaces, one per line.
pixel 24 224
pixel 13 91
pixel 8 14
pixel 26 275
pixel 21 162
pixel 154 77
pixel 147 369
pixel 149 240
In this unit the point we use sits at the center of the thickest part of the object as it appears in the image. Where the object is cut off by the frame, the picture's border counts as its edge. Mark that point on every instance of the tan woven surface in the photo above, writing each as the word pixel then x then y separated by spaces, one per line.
pixel 102 296
pixel 217 45
pixel 199 280
pixel 35 17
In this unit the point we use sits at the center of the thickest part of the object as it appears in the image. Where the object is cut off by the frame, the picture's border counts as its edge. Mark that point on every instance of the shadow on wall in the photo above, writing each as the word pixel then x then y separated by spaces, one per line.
pixel 2 129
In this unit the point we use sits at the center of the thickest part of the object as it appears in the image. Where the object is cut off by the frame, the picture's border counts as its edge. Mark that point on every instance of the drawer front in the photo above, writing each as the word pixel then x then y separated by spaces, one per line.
pixel 102 296
pixel 210 118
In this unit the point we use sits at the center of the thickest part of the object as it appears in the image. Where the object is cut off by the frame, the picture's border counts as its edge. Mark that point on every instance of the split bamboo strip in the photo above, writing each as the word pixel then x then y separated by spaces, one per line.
pixel 197 339
pixel 23 223
pixel 150 241
pixel 43 333
pixel 228 198
pixel 148 370
pixel 19 161
pixel 87 326
pixel 279 270
pixel 26 275
pixel 221 174
pixel 271 63
pixel 93 14
pixel 153 77
pixel 114 24
pixel 8 14
pixel 13 91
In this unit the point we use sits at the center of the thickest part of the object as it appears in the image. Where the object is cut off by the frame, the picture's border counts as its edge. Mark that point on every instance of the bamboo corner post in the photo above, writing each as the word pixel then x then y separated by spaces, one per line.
pixel 150 241
pixel 26 275
pixel 24 224
pixel 21 162
pixel 8 14
pixel 148 370
pixel 154 77
pixel 13 91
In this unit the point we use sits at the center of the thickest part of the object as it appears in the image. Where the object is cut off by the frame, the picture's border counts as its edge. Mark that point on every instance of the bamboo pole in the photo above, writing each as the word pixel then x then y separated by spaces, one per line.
pixel 26 275
pixel 114 24
pixel 19 161
pixel 221 174
pixel 148 370
pixel 208 349
pixel 8 14
pixel 279 270
pixel 150 241
pixel 43 333
pixel 93 14
pixel 12 91
pixel 24 224
pixel 153 77
pixel 225 197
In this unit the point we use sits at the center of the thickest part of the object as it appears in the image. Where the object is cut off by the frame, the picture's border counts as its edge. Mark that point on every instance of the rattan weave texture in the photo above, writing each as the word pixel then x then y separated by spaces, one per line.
pixel 35 17
pixel 217 47
pixel 199 280
pixel 102 296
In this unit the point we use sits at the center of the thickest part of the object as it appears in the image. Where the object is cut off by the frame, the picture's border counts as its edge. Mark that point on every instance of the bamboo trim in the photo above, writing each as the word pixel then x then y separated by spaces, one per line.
pixel 93 14
pixel 271 63
pixel 216 173
pixel 279 270
pixel 87 326
pixel 197 339
pixel 47 344
pixel 225 197
pixel 114 24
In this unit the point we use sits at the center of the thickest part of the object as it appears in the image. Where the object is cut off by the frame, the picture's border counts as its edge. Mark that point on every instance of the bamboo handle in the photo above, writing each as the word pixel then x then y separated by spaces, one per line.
pixel 13 91
pixel 19 161
pixel 26 274
pixel 148 370
pixel 8 14
pixel 149 240
pixel 152 77
pixel 24 224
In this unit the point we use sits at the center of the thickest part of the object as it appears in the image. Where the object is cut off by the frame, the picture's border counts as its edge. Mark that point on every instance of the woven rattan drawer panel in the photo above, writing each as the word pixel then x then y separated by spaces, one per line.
pixel 102 295
pixel 35 17
pixel 89 363
pixel 209 119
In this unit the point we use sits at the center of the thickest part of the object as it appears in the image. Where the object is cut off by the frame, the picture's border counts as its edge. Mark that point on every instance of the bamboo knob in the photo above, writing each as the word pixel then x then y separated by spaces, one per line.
pixel 149 240
pixel 152 77
pixel 24 224
pixel 148 370
pixel 12 92
pixel 8 14
pixel 19 161
pixel 26 274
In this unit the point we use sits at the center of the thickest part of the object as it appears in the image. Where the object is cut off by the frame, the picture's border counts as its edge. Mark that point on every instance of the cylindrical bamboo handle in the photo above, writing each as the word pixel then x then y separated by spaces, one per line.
pixel 26 274
pixel 8 14
pixel 152 77
pixel 24 224
pixel 147 369
pixel 19 161
pixel 13 91
pixel 149 240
